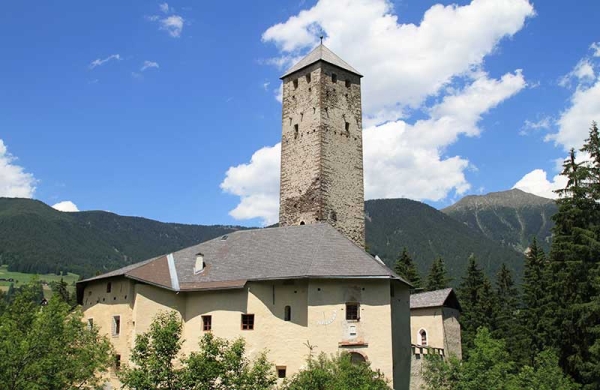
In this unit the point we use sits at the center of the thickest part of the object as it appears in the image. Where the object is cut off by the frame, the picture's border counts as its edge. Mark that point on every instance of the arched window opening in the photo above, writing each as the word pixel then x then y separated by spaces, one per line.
pixel 287 316
pixel 423 337
pixel 357 358
pixel 302 223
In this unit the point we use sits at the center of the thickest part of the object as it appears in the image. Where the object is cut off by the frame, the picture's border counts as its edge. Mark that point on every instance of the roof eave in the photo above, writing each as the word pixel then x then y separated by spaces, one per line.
pixel 307 65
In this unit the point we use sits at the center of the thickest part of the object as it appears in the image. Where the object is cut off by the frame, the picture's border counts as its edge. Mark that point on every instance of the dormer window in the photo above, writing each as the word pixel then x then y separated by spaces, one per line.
pixel 199 266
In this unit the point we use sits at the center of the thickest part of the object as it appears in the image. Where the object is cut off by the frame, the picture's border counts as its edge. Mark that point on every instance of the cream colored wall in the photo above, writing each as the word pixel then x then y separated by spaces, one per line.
pixel 318 317
pixel 102 307
pixel 430 319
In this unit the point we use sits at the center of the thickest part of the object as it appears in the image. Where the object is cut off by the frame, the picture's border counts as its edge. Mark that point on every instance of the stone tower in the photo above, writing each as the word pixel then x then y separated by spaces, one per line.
pixel 321 145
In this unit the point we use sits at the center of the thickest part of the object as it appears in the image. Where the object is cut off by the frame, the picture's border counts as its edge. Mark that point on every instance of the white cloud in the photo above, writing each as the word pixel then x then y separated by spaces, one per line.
pixel 582 73
pixel 164 7
pixel 595 46
pixel 14 181
pixel 413 154
pixel 148 65
pixel 66 206
pixel 257 184
pixel 266 85
pixel 544 123
pixel 403 63
pixel 584 107
pixel 173 25
pixel 536 182
pixel 100 62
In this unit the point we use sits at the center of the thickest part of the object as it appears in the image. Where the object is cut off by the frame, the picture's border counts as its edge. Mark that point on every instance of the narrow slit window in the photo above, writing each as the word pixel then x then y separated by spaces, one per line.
pixel 296 84
pixel 423 334
pixel 296 131
pixel 347 83
pixel 207 323
pixel 352 311
pixel 334 78
pixel 308 77
pixel 108 287
pixel 287 315
pixel 90 323
pixel 117 362
pixel 347 127
pixel 116 325
pixel 247 321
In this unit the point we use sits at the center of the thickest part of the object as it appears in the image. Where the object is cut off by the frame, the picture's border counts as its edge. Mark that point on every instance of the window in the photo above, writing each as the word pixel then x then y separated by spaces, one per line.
pixel 281 372
pixel 308 77
pixel 347 127
pixel 247 321
pixel 347 83
pixel 90 323
pixel 423 337
pixel 334 78
pixel 357 358
pixel 287 314
pixel 117 362
pixel 108 287
pixel 116 325
pixel 296 130
pixel 295 83
pixel 207 323
pixel 352 312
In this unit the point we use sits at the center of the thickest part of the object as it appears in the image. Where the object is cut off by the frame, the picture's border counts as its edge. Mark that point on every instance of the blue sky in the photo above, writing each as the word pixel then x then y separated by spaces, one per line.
pixel 169 110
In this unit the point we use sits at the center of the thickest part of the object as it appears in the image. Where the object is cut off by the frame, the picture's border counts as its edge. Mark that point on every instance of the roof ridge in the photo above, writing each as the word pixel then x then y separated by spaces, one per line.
pixel 320 53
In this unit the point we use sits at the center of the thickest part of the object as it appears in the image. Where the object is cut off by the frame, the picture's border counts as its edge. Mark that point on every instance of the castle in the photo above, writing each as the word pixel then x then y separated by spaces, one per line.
pixel 308 280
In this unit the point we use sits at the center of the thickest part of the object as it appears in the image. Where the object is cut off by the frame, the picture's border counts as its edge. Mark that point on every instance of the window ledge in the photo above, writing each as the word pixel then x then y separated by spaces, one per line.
pixel 353 343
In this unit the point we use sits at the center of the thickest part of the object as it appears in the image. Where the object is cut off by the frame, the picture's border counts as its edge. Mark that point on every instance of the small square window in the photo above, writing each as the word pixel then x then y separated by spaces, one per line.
pixel 116 325
pixel 334 78
pixel 352 312
pixel 281 372
pixel 207 323
pixel 108 287
pixel 247 321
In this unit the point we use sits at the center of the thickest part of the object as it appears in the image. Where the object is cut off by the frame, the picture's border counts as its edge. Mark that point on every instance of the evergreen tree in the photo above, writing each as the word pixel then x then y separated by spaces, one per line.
pixel 574 253
pixel 406 268
pixel 535 298
pixel 507 297
pixel 479 304
pixel 438 277
pixel 60 290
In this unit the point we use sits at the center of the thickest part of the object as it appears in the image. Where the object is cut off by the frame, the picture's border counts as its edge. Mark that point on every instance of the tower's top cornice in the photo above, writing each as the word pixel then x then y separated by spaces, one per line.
pixel 320 53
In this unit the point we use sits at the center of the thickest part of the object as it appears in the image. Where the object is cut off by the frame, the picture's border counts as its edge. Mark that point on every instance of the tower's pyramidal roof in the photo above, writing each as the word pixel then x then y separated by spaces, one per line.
pixel 321 53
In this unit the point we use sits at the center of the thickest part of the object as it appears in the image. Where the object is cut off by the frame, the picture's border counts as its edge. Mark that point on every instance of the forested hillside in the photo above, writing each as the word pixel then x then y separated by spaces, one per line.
pixel 511 217
pixel 427 234
pixel 36 238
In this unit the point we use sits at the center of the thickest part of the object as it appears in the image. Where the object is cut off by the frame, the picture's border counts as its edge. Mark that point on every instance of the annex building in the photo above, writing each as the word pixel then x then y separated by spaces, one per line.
pixel 309 280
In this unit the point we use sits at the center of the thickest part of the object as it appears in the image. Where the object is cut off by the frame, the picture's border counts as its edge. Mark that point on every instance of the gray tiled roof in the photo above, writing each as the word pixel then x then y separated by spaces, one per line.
pixel 437 298
pixel 320 53
pixel 308 251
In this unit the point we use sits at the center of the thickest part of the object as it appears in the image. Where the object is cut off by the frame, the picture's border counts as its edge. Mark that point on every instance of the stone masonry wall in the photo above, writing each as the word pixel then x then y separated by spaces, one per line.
pixel 321 150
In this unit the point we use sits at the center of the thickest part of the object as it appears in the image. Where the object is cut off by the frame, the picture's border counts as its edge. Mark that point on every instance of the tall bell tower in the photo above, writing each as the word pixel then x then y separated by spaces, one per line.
pixel 321 145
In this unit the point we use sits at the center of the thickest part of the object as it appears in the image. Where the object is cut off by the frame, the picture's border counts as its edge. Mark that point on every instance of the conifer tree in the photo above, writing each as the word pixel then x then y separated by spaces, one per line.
pixel 569 316
pixel 478 302
pixel 507 324
pixel 438 277
pixel 535 298
pixel 406 268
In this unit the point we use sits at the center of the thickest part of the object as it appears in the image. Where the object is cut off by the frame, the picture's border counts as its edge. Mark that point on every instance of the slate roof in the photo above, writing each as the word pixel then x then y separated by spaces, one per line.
pixel 291 252
pixel 320 53
pixel 438 298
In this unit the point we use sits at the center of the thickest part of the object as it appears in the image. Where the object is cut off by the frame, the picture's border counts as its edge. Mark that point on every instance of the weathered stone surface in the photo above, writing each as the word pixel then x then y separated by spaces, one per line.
pixel 321 150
